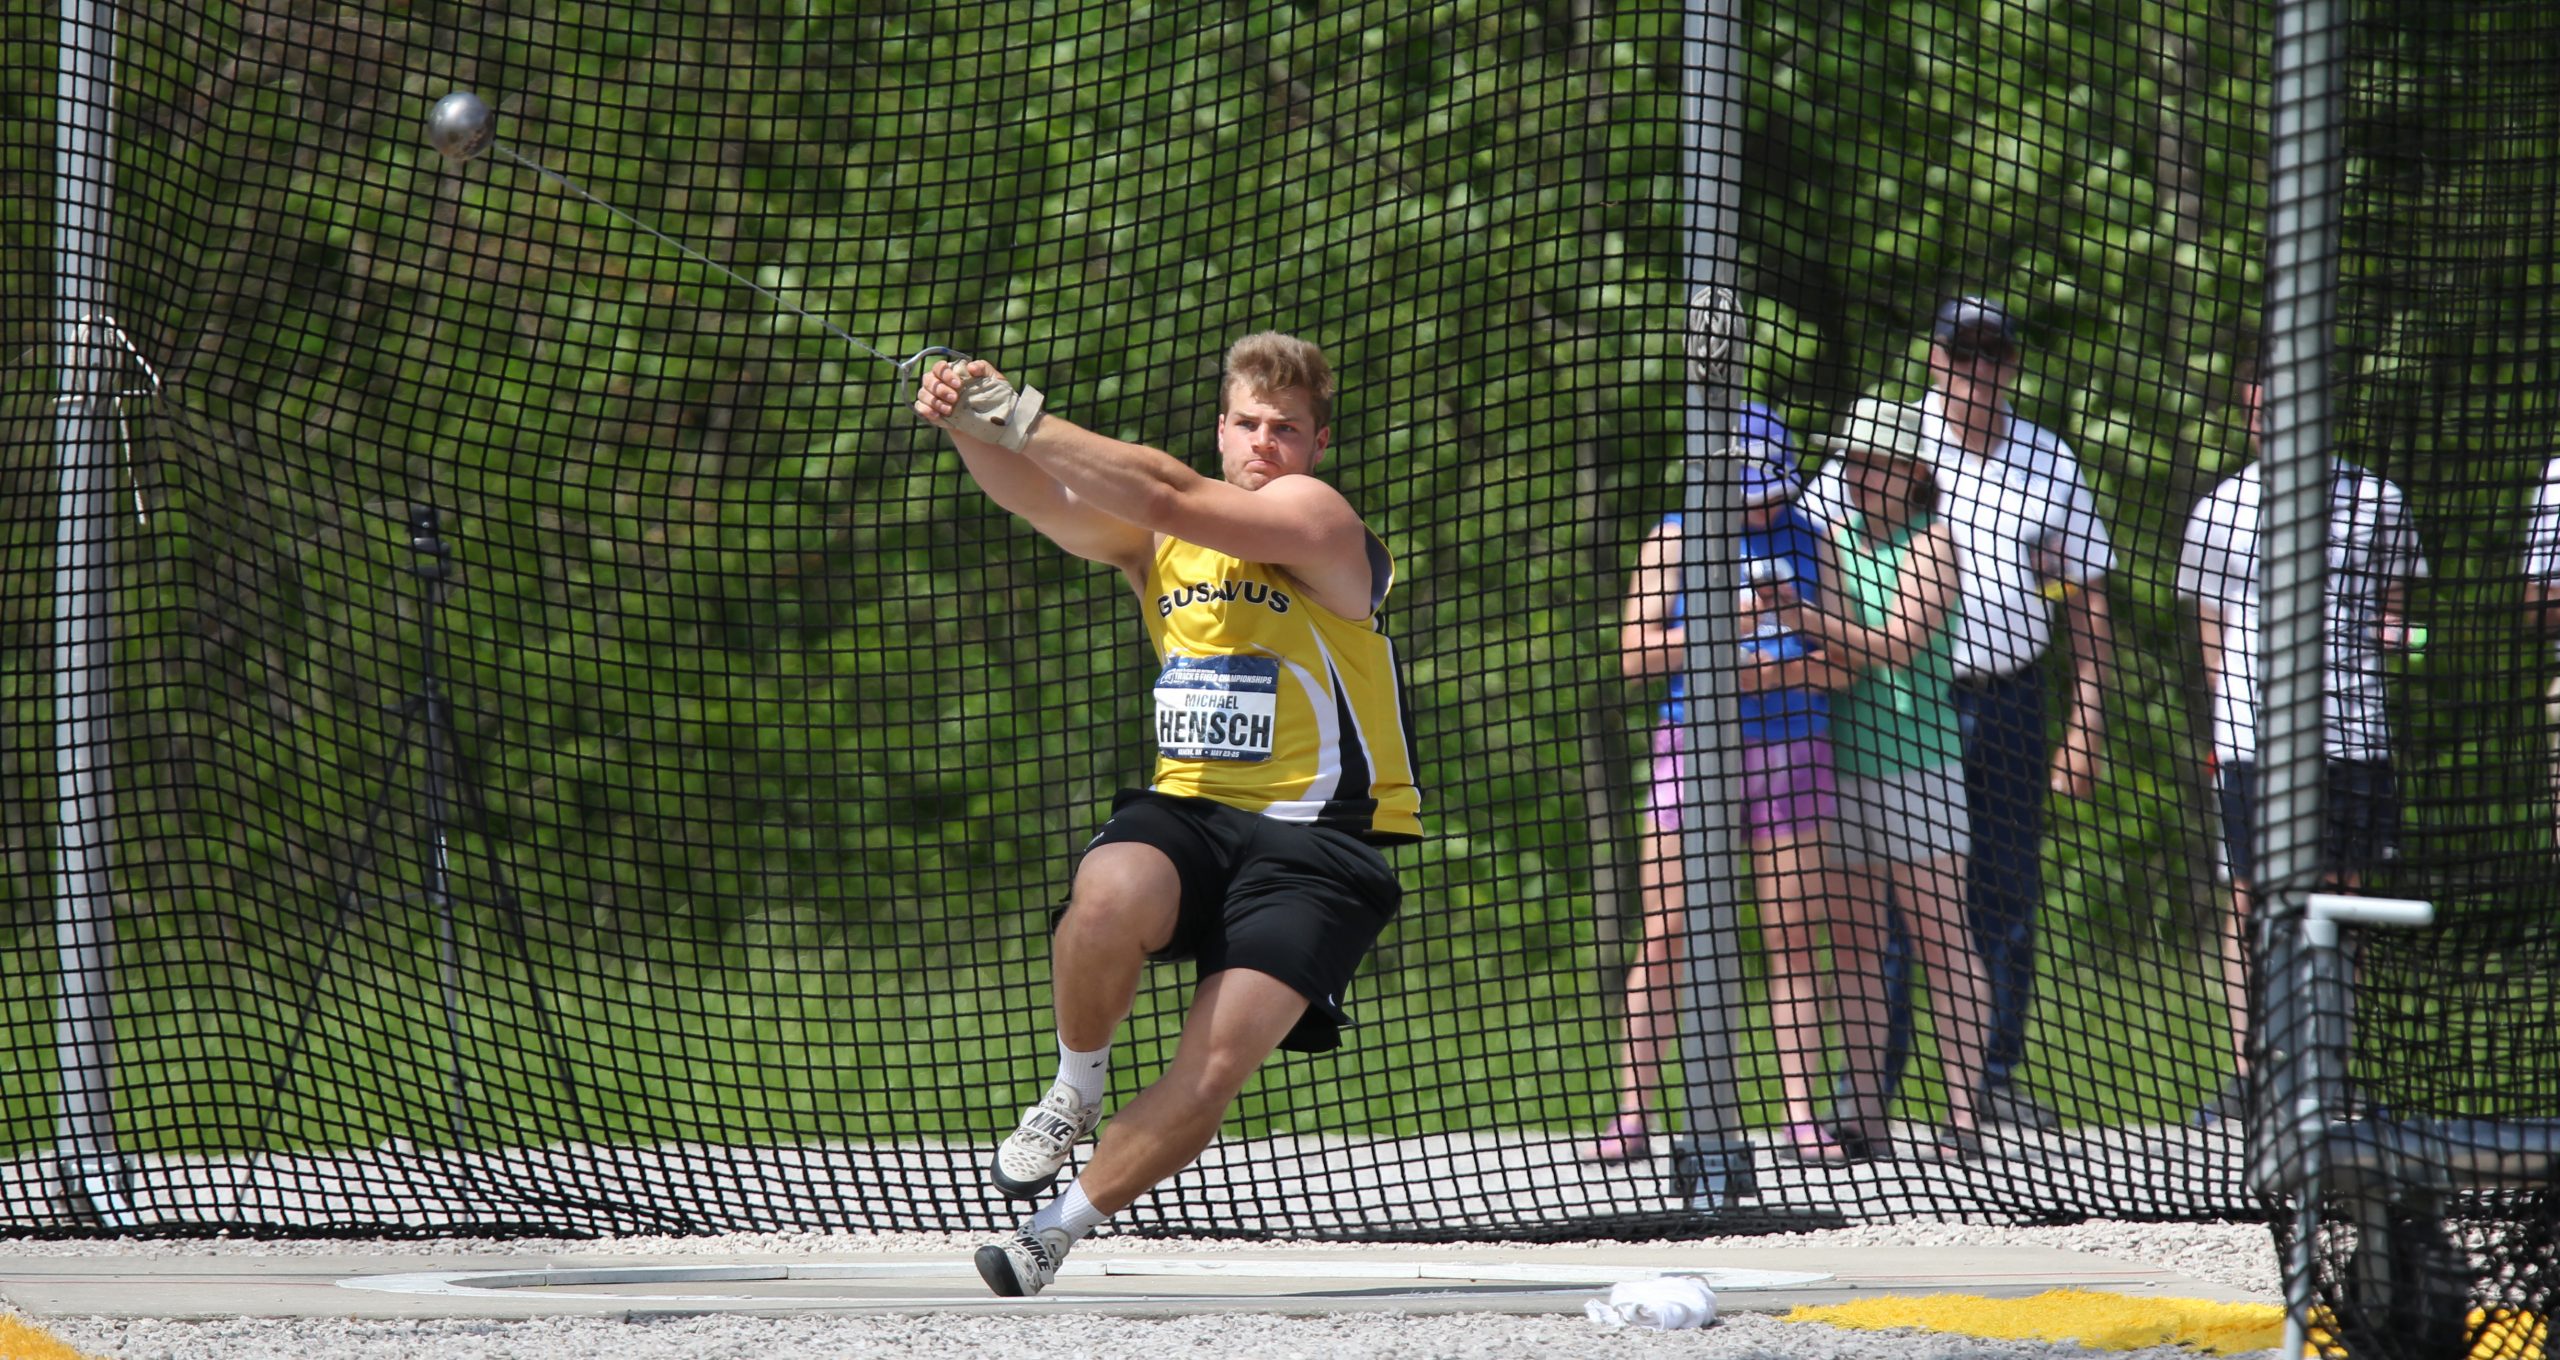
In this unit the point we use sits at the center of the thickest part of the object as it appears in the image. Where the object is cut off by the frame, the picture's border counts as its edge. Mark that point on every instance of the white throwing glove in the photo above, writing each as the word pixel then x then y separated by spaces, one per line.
pixel 993 412
pixel 1670 1303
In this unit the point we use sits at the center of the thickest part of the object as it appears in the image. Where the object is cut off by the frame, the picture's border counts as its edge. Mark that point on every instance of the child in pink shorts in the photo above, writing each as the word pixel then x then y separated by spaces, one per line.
pixel 1788 796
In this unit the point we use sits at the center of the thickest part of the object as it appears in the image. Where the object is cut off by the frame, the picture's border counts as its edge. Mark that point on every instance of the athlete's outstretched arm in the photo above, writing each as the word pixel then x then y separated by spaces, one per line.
pixel 1295 522
pixel 1022 486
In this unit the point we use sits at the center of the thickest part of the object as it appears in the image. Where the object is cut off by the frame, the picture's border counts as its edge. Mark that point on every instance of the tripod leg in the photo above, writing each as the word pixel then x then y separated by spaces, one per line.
pixel 440 900
pixel 616 1211
pixel 511 912
pixel 375 808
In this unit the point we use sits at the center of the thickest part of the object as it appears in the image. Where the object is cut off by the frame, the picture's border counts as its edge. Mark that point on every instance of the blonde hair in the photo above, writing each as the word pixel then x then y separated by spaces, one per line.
pixel 1270 363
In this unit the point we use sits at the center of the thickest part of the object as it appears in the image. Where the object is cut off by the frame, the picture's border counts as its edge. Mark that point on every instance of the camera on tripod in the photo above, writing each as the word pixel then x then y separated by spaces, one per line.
pixel 425 540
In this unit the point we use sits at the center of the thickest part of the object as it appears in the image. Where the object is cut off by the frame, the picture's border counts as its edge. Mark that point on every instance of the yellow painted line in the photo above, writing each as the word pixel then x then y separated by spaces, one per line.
pixel 23 1340
pixel 2096 1320
pixel 2117 1322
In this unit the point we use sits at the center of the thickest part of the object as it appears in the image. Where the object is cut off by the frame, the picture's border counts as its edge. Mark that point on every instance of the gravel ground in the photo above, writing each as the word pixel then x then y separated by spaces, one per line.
pixel 2238 1256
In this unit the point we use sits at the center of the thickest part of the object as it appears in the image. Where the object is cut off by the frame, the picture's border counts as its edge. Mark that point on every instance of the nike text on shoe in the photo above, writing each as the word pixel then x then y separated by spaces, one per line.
pixel 1024 1264
pixel 1028 1163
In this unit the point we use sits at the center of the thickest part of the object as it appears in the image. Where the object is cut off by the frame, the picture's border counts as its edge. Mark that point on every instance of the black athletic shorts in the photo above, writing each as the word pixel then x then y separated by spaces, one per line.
pixel 2359 816
pixel 1301 903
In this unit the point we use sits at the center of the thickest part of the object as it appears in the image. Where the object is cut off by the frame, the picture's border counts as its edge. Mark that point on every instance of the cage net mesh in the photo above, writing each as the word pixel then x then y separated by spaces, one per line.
pixel 568 752
pixel 2435 1231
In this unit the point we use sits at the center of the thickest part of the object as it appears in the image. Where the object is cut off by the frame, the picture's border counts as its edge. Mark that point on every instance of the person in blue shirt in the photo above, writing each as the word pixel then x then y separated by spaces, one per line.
pixel 1788 793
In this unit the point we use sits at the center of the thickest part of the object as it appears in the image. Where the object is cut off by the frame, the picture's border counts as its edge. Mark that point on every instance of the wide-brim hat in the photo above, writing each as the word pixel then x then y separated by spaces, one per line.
pixel 1878 428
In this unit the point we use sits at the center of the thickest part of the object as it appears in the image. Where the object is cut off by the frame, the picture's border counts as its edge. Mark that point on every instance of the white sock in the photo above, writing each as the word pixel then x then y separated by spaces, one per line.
pixel 1086 1074
pixel 1071 1211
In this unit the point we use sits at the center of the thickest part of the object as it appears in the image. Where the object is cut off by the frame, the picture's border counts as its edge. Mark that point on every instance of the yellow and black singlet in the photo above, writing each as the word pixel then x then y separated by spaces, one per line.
pixel 1273 703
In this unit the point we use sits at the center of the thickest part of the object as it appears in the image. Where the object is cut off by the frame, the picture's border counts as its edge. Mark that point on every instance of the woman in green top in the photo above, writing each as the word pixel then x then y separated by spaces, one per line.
pixel 1902 828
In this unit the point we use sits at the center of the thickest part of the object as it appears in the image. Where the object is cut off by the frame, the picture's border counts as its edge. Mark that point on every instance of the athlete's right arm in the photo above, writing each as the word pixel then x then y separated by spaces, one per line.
pixel 1019 485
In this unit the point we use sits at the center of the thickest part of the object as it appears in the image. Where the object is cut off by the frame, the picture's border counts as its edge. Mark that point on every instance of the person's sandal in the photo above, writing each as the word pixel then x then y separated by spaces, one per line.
pixel 1952 1144
pixel 1626 1140
pixel 1815 1145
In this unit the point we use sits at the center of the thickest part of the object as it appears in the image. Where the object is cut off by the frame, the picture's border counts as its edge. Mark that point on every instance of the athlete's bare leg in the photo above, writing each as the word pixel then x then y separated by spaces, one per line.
pixel 1126 901
pixel 1237 1018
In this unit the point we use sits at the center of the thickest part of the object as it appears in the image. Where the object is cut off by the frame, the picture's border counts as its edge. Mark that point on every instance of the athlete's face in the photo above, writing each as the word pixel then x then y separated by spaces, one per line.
pixel 1264 436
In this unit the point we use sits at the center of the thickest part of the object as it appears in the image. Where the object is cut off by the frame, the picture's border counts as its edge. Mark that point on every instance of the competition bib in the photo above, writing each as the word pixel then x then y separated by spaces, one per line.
pixel 1217 707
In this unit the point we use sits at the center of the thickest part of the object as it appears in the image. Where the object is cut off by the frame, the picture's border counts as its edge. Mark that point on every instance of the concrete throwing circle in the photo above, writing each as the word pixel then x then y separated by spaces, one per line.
pixel 1153 1284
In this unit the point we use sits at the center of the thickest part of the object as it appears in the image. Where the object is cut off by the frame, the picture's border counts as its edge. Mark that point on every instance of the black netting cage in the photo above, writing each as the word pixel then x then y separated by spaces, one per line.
pixel 1933 545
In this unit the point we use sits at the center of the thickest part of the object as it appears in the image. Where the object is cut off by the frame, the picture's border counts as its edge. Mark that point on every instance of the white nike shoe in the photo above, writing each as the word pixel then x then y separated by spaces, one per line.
pixel 1024 1264
pixel 1028 1163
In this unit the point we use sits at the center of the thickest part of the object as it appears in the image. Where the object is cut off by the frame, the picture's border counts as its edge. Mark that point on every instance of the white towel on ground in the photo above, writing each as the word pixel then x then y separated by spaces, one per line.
pixel 1668 1304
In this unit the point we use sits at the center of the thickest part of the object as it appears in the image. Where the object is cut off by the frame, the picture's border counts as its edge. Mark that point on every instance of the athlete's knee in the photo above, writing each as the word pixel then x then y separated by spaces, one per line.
pixel 1102 920
pixel 1238 1017
pixel 1122 900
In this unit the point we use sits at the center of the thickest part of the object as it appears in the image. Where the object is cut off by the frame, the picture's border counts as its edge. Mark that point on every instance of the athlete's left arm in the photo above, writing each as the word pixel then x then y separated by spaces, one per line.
pixel 1294 521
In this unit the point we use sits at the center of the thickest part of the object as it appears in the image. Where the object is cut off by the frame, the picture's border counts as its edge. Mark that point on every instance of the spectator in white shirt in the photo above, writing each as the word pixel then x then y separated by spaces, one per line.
pixel 2027 534
pixel 2373 554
